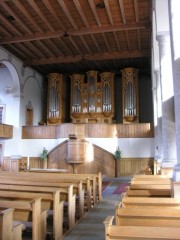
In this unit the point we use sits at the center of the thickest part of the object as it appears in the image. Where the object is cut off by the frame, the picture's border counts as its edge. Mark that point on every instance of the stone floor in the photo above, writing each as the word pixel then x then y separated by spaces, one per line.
pixel 91 226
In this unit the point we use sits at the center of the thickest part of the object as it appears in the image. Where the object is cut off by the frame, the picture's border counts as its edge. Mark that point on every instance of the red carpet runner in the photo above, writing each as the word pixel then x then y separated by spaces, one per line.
pixel 121 188
pixel 105 184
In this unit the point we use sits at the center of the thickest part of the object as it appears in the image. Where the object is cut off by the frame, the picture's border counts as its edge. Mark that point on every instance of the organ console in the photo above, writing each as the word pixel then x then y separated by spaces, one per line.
pixel 56 99
pixel 92 97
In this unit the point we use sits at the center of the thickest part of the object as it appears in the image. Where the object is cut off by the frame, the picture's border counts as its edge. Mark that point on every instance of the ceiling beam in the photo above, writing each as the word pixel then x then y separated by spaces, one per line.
pixel 79 32
pixel 94 57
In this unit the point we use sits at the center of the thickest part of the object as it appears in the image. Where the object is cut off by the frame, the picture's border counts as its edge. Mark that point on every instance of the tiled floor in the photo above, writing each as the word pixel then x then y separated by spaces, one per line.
pixel 91 227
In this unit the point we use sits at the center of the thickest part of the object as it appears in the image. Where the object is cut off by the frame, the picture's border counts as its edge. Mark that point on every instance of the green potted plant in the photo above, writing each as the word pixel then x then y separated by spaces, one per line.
pixel 117 153
pixel 117 156
pixel 44 157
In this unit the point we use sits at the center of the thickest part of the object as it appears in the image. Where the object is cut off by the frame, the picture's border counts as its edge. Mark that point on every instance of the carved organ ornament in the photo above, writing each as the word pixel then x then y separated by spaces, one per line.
pixel 92 101
pixel 56 98
pixel 130 99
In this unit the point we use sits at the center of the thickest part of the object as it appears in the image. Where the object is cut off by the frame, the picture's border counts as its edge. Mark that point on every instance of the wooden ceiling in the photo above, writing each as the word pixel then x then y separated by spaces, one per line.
pixel 69 36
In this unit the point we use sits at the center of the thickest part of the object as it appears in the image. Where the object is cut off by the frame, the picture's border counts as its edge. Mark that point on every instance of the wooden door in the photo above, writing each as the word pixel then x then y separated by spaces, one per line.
pixel 29 116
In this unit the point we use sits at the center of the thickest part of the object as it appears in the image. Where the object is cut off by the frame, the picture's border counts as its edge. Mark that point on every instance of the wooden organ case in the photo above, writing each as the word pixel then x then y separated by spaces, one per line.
pixel 92 101
pixel 56 99
pixel 130 98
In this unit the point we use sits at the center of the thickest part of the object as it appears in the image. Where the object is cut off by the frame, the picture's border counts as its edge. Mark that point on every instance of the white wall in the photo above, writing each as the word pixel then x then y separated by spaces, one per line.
pixel 130 147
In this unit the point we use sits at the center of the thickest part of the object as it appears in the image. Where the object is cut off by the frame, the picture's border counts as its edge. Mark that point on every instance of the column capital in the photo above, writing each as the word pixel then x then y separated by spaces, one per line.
pixel 163 37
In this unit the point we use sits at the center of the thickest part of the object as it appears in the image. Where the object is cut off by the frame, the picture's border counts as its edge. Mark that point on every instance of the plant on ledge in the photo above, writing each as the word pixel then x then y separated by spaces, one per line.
pixel 44 154
pixel 117 153
pixel 117 156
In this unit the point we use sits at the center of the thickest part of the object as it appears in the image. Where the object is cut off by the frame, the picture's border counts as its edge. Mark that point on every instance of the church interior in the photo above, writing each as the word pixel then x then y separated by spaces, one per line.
pixel 89 115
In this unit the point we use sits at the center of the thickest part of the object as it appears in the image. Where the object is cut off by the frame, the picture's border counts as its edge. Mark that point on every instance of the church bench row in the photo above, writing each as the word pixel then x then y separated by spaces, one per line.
pixel 66 192
pixel 139 232
pixel 16 187
pixel 151 177
pixel 28 211
pixel 92 183
pixel 152 217
pixel 149 186
pixel 77 187
pixel 97 179
pixel 134 202
pixel 9 230
pixel 50 200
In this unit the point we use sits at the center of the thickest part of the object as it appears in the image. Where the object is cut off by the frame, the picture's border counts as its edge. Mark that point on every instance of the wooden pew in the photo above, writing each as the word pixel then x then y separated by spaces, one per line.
pixel 50 200
pixel 66 193
pixel 152 217
pixel 134 202
pixel 139 232
pixel 153 181
pixel 148 193
pixel 150 177
pixel 26 211
pixel 8 230
pixel 77 186
pixel 89 184
pixel 95 178
pixel 149 186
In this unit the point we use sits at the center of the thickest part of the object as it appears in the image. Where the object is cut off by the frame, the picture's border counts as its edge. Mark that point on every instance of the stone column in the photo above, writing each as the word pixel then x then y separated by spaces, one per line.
pixel 175 33
pixel 167 91
pixel 158 120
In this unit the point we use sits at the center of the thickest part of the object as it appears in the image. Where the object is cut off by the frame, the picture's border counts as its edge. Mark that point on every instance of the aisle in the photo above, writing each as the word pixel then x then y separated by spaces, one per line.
pixel 91 227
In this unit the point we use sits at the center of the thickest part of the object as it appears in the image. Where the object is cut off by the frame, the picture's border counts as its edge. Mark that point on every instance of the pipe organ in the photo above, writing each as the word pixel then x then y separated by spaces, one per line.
pixel 56 99
pixel 130 98
pixel 92 99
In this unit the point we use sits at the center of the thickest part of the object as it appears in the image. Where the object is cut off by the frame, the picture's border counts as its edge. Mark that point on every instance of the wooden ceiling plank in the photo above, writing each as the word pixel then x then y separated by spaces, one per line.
pixel 95 42
pixel 75 45
pixel 67 13
pixel 93 8
pixel 41 15
pixel 28 16
pixel 37 52
pixel 136 10
pixel 121 4
pixel 117 41
pixel 5 31
pixel 15 16
pixel 139 40
pixel 78 32
pixel 85 44
pixel 53 13
pixel 64 46
pixel 80 11
pixel 55 47
pixel 106 42
pixel 28 51
pixel 20 53
pixel 128 41
pixel 46 49
pixel 106 2
pixel 10 26
pixel 93 57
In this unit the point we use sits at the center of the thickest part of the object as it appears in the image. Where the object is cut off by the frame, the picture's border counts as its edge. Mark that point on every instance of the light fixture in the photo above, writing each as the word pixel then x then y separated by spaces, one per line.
pixel 65 34
pixel 100 5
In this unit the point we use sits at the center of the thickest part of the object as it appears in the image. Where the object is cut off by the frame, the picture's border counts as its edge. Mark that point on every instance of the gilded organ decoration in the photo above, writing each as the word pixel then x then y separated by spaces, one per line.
pixel 92 99
pixel 56 98
pixel 130 95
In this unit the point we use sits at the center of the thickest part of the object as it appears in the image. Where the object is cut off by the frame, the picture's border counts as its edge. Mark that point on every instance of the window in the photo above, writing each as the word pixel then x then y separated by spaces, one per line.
pixel 2 111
